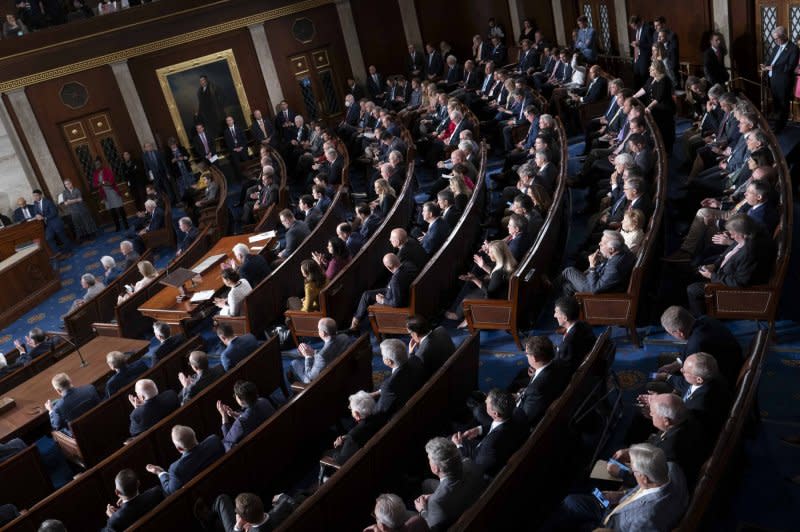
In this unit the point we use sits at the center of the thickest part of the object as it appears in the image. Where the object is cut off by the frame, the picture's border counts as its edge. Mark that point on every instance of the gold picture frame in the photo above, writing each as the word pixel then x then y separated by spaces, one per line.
pixel 222 73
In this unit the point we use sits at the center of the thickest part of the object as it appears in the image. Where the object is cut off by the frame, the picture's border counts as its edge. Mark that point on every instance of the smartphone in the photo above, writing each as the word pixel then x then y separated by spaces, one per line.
pixel 652 376
pixel 599 496
pixel 622 467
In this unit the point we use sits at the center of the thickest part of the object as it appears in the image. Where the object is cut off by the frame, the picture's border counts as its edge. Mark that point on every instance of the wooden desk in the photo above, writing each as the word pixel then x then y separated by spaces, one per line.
pixel 26 279
pixel 29 414
pixel 164 306
pixel 21 233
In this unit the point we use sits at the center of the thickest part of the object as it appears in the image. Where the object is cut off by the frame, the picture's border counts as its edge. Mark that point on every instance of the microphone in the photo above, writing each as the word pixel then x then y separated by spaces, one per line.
pixel 65 337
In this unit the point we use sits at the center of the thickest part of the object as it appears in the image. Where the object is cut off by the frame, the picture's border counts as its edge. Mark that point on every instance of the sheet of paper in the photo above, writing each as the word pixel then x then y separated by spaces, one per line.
pixel 600 472
pixel 203 295
pixel 213 159
pixel 261 236
pixel 206 264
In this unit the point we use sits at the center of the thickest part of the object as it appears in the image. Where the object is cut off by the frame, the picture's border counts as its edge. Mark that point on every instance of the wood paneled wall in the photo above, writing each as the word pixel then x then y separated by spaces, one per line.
pixel 541 12
pixel 690 19
pixel 381 34
pixel 457 22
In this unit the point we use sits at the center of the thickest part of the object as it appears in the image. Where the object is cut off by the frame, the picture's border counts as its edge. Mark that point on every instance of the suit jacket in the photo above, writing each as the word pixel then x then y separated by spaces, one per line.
pixel 156 220
pixel 546 176
pixel 235 141
pixel 200 150
pixel 237 350
pixel 452 215
pixel 398 291
pixel 154 162
pixel 354 243
pixel 369 226
pixel 642 203
pixel 642 63
pixel 249 420
pixel 452 497
pixel 285 117
pixel 539 393
pixel 357 437
pixel 19 216
pixel 499 55
pixel 399 386
pixel 520 245
pixel 134 509
pixel 152 411
pixel 685 445
pixel 492 452
pixel 710 403
pixel 751 265
pixel 613 274
pixel 191 463
pixel 295 236
pixel 646 161
pixel 416 62
pixel 783 69
pixel 453 74
pixel 162 349
pixel 48 210
pixel 374 87
pixel 201 382
pixel 434 64
pixel 312 218
pixel 765 215
pixel 268 131
pixel 659 510
pixel 75 402
pixel 714 68
pixel 596 91
pixel 188 238
pixel 323 357
pixel 413 251
pixel 711 336
pixel 577 343
pixel 434 350
pixel 32 353
pixel 125 376
pixel 435 237
pixel 255 269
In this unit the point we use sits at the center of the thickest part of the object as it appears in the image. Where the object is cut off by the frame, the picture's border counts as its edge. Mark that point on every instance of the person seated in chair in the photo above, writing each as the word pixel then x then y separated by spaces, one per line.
pixel 36 344
pixel 253 267
pixel 314 362
pixel 391 515
pixel 237 348
pixel 368 423
pixel 124 373
pixel 150 406
pixel 131 504
pixel 236 424
pixel 74 402
pixel 396 293
pixel 164 342
pixel 238 289
pixel 202 377
pixel 609 268
pixel 432 346
pixel 93 287
pixel 195 457
pixel 110 269
pixel 189 234
pixel 296 233
pixel 157 221
pixel 579 339
pixel 405 379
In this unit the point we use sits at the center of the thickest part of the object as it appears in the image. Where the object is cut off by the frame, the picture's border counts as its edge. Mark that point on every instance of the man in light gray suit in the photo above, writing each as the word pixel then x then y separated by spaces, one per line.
pixel 459 485
pixel 314 362
pixel 657 503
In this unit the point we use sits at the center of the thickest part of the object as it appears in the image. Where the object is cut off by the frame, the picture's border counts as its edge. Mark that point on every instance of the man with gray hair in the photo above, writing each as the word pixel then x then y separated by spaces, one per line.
pixel 457 487
pixel 131 257
pixel 92 286
pixel 780 71
pixel 657 502
pixel 74 402
pixel 404 380
pixel 150 406
pixel 391 515
pixel 704 391
pixel 195 456
pixel 609 268
pixel 363 409
pixel 315 361
pixel 190 233
pixel 124 373
pixel 251 266
pixel 110 269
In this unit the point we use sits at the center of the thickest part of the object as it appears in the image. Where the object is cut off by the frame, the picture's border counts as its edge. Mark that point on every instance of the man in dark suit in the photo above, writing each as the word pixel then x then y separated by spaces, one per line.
pixel 434 64
pixel 74 402
pixel 333 166
pixel 54 228
pixel 519 239
pixel 703 390
pixel 236 424
pixel 547 172
pixel 579 339
pixel 252 266
pixel 432 346
pixel 23 212
pixel 236 143
pixel 284 122
pixel 368 422
pixel 296 233
pixel 548 379
pixel 156 221
pixel 406 377
pixel 634 197
pixel 314 362
pixel 194 458
pixel 375 84
pixel 263 130
pixel 642 45
pixel 352 239
pixel 370 221
pixel 499 54
pixel 609 268
pixel 702 335
pixel 438 230
pixel 714 62
pixel 35 345
pixel 446 202
pixel 416 62
pixel 203 376
pixel 131 505
pixel 163 343
pixel 190 233
pixel 354 88
pixel 149 406
pixel 781 75
pixel 237 348
pixel 311 214
pixel 490 446
pixel 204 145
pixel 155 168
pixel 459 485
pixel 124 373
pixel 396 293
pixel 408 249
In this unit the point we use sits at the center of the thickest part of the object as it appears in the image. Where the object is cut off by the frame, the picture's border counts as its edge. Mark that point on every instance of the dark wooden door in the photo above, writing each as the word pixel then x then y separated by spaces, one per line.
pixel 319 85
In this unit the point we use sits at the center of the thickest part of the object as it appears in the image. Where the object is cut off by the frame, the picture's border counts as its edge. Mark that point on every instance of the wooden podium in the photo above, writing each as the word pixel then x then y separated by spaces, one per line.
pixel 26 275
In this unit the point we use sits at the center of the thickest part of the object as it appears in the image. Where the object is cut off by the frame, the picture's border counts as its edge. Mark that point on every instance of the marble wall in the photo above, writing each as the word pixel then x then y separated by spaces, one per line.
pixel 14 180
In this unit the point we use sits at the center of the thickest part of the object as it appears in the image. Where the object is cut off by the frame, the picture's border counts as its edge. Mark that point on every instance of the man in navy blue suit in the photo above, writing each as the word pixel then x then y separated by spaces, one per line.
pixel 642 45
pixel 190 233
pixel 408 375
pixel 157 221
pixel 609 268
pixel 236 424
pixel 236 143
pixel 396 293
pixel 149 406
pixel 252 266
pixel 155 167
pixel 74 402
pixel 163 343
pixel 237 348
pixel 36 344
pixel 23 212
pixel 194 458
pixel 124 373
pixel 131 505
pixel 263 130
pixel 53 226
pixel 284 122
pixel 438 230
pixel 204 145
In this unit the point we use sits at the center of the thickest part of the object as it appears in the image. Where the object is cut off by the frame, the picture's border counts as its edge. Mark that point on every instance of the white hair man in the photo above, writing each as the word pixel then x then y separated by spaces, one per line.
pixel 194 458
pixel 405 379
pixel 150 406
pixel 315 361
pixel 609 268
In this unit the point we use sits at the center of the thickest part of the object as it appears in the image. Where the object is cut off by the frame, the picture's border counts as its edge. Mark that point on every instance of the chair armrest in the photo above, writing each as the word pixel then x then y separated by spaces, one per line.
pixel 107 329
pixel 298 386
pixel 239 323
pixel 496 303
pixel 329 462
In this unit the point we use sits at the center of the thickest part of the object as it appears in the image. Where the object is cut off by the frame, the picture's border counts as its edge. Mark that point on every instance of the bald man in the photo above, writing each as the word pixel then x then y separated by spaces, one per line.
pixel 396 293
pixel 149 406
pixel 195 456
pixel 408 249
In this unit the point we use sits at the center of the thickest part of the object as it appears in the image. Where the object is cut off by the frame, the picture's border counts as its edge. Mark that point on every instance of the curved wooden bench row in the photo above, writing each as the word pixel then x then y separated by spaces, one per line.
pixel 78 323
pixel 58 350
pixel 101 431
pixel 204 241
pixel 216 217
pixel 620 308
pixel 128 322
pixel 266 303
pixel 512 314
pixel 80 504
pixel 535 477
pixel 349 494
pixel 438 279
pixel 266 460
pixel 761 302
pixel 25 479
pixel 339 298
pixel 164 237
pixel 713 473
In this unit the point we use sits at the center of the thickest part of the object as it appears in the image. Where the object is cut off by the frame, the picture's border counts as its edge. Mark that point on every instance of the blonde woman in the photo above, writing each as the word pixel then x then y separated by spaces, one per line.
pixel 386 198
pixel 149 274
pixel 499 268
pixel 461 192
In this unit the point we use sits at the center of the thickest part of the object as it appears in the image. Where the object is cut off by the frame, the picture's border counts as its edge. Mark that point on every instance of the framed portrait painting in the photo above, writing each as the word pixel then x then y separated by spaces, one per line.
pixel 204 91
